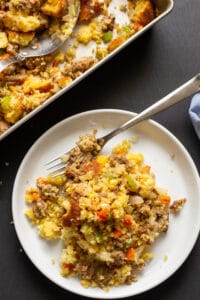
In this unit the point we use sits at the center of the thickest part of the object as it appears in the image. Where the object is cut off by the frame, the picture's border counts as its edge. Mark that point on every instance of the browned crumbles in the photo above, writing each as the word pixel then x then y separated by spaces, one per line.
pixel 177 205
pixel 106 209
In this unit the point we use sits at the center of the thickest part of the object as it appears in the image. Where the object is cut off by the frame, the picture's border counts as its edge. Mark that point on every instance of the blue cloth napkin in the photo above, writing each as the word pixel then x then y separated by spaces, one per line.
pixel 194 112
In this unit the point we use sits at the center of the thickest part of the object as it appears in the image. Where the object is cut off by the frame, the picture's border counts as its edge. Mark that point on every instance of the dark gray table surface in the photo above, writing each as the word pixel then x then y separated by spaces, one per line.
pixel 158 62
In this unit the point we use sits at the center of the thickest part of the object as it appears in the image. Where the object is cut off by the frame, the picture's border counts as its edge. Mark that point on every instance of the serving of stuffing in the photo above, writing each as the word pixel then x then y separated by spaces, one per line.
pixel 28 84
pixel 106 209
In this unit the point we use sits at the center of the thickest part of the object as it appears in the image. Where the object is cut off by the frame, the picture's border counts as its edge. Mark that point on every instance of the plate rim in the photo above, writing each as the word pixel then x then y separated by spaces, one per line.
pixel 122 112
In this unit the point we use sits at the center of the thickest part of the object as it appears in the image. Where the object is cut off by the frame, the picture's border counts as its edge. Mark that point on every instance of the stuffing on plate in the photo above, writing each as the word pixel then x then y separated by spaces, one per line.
pixel 106 209
pixel 28 84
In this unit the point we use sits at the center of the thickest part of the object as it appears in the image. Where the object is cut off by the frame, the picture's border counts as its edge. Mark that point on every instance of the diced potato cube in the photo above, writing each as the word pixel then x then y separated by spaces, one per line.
pixel 20 38
pixel 55 8
pixel 3 40
pixel 21 23
pixel 49 230
pixel 144 12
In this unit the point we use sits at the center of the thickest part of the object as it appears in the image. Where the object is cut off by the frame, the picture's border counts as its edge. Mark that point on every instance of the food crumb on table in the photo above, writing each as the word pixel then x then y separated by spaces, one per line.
pixel 165 257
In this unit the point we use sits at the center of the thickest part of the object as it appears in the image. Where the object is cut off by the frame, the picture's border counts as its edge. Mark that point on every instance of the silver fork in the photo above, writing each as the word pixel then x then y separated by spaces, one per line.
pixel 56 166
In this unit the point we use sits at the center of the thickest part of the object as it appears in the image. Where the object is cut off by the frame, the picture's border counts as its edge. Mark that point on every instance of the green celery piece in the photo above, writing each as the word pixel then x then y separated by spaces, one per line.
pixel 132 183
pixel 5 103
pixel 107 36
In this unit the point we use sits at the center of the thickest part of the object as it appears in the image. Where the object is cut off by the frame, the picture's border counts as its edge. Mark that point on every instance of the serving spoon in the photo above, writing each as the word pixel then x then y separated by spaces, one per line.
pixel 57 166
pixel 47 45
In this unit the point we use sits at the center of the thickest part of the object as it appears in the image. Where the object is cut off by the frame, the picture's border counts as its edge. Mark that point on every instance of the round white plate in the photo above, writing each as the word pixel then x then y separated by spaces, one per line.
pixel 174 170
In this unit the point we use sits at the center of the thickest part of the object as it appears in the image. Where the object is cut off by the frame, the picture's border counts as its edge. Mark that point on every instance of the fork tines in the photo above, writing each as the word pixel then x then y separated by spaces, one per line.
pixel 56 166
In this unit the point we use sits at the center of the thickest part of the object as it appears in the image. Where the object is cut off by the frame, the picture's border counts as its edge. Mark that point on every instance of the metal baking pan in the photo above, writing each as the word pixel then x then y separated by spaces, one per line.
pixel 164 7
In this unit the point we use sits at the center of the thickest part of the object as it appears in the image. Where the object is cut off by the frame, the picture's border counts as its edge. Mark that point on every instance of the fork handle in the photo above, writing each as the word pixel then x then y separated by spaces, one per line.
pixel 4 63
pixel 187 89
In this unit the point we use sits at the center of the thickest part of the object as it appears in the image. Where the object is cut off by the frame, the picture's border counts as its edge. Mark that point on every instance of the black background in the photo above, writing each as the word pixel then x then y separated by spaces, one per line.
pixel 155 64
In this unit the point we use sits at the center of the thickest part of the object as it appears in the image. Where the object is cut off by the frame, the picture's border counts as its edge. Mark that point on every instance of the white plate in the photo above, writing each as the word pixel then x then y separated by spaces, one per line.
pixel 174 170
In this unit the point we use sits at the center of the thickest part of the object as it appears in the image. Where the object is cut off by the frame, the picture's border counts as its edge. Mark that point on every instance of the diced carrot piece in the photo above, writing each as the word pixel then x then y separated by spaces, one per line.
pixel 35 196
pixel 115 43
pixel 120 152
pixel 130 254
pixel 4 56
pixel 70 267
pixel 117 233
pixel 165 198
pixel 42 180
pixel 103 214
pixel 128 220
pixel 55 63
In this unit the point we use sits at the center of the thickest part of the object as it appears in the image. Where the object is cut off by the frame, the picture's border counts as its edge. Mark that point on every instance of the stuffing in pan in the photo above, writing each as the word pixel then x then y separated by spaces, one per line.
pixel 26 85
